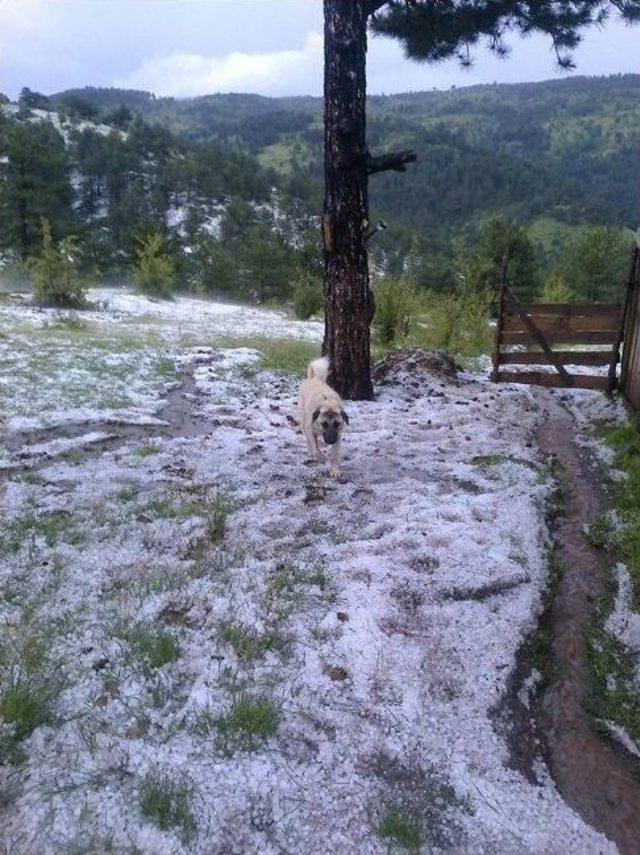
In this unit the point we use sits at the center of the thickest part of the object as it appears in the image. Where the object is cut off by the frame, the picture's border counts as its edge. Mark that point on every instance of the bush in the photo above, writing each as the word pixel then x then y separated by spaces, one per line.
pixel 154 272
pixel 457 324
pixel 556 290
pixel 54 272
pixel 397 307
pixel 308 299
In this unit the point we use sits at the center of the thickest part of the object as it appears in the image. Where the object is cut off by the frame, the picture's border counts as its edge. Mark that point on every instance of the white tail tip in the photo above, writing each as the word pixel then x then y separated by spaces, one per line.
pixel 319 369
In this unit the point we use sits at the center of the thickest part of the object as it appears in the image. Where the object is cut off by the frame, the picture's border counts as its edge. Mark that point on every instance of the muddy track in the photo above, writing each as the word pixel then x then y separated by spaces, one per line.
pixel 598 780
pixel 175 418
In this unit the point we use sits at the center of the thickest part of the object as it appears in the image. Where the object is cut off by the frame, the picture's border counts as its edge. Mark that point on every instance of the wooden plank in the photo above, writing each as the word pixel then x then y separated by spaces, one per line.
pixel 567 357
pixel 567 310
pixel 549 325
pixel 541 378
pixel 579 337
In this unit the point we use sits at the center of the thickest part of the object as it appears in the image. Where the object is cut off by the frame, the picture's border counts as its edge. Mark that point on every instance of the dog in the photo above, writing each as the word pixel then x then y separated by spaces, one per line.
pixel 321 413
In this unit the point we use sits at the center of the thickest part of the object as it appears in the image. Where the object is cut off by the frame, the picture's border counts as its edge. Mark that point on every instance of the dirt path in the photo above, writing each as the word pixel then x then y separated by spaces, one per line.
pixel 594 778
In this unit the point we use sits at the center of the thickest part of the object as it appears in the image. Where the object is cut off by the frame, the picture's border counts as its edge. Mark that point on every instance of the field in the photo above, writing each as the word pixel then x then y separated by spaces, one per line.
pixel 208 645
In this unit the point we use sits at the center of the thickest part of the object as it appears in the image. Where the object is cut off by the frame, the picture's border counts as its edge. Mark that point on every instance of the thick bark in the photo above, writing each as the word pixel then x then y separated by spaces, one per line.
pixel 349 301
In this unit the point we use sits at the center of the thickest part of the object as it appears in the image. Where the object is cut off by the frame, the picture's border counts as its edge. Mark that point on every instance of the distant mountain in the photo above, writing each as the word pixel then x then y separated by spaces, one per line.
pixel 567 149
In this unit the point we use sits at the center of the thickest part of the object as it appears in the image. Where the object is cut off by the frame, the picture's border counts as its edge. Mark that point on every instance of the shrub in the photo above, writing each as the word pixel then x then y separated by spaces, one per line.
pixel 457 324
pixel 54 272
pixel 154 272
pixel 397 306
pixel 307 296
pixel 556 290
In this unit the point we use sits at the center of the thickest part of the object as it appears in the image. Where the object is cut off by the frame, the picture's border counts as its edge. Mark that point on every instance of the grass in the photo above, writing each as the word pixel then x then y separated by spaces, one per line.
pixel 217 515
pixel 401 827
pixel 215 511
pixel 146 449
pixel 614 694
pixel 249 722
pixel 625 442
pixel 537 648
pixel 167 804
pixel 127 494
pixel 25 706
pixel 249 644
pixel 486 461
pixel 156 648
pixel 53 527
pixel 282 356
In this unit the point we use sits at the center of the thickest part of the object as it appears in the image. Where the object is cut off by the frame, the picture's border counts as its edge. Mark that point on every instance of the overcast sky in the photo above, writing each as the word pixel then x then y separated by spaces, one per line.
pixel 273 47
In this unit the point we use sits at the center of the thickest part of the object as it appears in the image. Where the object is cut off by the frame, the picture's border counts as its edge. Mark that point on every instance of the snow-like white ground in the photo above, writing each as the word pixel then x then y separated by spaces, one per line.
pixel 384 610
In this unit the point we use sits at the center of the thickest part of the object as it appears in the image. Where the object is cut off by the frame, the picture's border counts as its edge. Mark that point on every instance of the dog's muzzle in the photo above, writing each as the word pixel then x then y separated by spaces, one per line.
pixel 331 436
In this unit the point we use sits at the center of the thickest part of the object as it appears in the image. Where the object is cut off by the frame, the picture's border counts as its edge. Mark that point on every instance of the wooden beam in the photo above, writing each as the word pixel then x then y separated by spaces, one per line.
pixel 541 378
pixel 580 337
pixel 567 357
pixel 568 310
pixel 555 326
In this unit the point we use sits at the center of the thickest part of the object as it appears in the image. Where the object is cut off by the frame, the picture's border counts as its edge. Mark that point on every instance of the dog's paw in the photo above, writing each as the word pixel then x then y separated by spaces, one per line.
pixel 335 473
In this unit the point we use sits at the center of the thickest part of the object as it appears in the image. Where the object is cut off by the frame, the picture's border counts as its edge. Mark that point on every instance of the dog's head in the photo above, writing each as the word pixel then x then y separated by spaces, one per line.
pixel 329 422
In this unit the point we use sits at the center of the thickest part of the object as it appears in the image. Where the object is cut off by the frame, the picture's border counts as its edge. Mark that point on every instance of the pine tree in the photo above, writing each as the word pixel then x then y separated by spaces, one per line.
pixel 37 185
pixel 430 31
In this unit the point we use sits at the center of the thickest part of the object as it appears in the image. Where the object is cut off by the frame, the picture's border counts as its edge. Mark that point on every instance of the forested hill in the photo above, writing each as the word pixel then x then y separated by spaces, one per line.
pixel 567 149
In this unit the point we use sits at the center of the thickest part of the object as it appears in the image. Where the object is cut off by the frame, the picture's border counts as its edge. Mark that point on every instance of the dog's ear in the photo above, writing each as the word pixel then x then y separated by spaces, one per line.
pixel 315 415
pixel 345 416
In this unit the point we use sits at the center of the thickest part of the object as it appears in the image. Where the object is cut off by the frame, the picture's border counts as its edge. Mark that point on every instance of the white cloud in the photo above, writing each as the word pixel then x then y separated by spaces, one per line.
pixel 277 73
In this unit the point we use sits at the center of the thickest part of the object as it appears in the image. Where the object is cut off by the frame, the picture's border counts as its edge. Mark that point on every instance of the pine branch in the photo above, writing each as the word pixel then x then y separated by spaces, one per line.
pixel 396 161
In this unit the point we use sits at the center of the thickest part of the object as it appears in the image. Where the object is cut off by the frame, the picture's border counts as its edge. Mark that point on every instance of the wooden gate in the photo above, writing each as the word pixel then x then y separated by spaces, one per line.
pixel 565 335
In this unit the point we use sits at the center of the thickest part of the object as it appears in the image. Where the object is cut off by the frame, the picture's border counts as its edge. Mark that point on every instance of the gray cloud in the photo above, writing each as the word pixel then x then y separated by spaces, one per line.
pixel 273 47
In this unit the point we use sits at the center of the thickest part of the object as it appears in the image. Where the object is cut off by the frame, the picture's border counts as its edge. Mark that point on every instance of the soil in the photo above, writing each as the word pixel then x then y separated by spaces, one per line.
pixel 600 781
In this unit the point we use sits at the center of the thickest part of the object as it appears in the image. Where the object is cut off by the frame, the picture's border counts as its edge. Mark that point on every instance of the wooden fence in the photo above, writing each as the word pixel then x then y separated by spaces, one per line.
pixel 561 335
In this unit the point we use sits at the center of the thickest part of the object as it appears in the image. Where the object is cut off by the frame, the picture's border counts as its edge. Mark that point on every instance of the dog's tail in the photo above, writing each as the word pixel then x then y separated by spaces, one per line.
pixel 318 369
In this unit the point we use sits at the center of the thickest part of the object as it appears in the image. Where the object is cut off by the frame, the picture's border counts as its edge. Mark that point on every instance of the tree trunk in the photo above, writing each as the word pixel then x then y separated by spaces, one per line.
pixel 348 298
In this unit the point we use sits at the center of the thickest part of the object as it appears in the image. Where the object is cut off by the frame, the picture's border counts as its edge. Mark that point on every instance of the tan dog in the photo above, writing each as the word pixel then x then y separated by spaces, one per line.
pixel 321 413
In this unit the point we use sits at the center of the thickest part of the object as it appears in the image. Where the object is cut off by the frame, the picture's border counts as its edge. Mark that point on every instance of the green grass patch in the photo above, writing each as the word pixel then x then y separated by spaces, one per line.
pixel 625 442
pixel 614 694
pixel 249 644
pixel 146 450
pixel 156 648
pixel 249 722
pixel 486 461
pixel 401 827
pixel 167 804
pixel 282 356
pixel 25 706
pixel 166 367
pixel 53 527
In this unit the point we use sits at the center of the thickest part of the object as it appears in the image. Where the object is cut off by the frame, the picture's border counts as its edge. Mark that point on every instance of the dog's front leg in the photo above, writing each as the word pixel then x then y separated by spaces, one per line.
pixel 335 460
pixel 312 445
